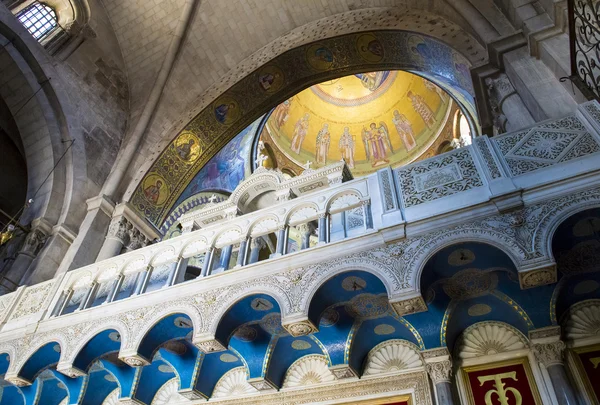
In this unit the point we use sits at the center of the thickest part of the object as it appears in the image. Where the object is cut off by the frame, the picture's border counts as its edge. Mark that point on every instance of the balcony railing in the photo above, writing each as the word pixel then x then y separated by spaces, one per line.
pixel 333 217
pixel 584 36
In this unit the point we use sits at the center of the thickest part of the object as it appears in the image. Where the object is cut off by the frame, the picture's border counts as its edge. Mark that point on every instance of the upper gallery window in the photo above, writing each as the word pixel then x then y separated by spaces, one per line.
pixel 39 19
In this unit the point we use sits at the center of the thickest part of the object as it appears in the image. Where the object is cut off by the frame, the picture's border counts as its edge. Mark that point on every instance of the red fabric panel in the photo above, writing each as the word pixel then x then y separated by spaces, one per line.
pixel 520 383
pixel 591 365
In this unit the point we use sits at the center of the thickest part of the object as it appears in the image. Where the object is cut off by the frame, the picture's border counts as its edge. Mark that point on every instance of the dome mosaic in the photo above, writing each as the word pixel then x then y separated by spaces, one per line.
pixel 371 120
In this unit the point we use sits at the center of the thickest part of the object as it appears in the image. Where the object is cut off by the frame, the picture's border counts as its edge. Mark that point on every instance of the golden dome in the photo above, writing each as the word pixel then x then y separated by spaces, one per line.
pixel 371 120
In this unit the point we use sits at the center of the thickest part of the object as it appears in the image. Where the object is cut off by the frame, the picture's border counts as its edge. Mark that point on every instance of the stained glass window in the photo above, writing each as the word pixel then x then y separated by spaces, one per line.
pixel 39 19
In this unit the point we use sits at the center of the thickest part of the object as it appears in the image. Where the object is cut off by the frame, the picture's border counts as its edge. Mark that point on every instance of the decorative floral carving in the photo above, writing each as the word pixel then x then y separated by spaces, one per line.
pixel 391 356
pixel 386 186
pixel 308 370
pixel 485 338
pixel 210 346
pixel 343 371
pixel 538 277
pixel 112 398
pixel 301 328
pixel 490 162
pixel 32 300
pixel 439 371
pixel 549 354
pixel 409 306
pixel 451 173
pixel 167 394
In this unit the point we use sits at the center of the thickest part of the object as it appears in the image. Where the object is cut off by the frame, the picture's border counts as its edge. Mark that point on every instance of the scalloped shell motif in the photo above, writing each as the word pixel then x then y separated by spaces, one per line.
pixel 233 382
pixel 168 393
pixel 489 338
pixel 308 370
pixel 112 398
pixel 585 322
pixel 390 357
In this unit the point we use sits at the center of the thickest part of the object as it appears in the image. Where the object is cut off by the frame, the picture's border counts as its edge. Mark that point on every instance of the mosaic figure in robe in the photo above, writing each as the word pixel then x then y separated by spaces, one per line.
pixel 432 87
pixel 323 141
pixel 346 144
pixel 379 143
pixel 152 192
pixel 405 130
pixel 421 107
pixel 300 131
pixel 282 113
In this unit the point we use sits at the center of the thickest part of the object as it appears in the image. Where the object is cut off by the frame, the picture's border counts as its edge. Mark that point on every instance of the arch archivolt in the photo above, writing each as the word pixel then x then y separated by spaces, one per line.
pixel 78 343
pixel 302 213
pixel 344 200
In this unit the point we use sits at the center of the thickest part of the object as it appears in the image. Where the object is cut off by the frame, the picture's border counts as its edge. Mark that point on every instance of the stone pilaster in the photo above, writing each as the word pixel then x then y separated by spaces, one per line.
pixel 438 364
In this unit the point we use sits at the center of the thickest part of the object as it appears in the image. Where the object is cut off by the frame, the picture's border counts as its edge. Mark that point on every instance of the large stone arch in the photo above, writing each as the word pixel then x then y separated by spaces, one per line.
pixel 435 26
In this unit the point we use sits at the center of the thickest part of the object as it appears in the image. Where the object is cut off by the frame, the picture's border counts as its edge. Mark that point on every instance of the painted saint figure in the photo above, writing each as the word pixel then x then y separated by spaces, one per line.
pixel 379 143
pixel 405 130
pixel 185 150
pixel 282 113
pixel 222 111
pixel 323 140
pixel 432 87
pixel 346 145
pixel 421 107
pixel 152 192
pixel 300 131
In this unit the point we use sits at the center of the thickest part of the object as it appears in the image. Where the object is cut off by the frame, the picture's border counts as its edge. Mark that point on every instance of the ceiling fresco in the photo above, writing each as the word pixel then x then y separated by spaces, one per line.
pixel 370 120
pixel 293 71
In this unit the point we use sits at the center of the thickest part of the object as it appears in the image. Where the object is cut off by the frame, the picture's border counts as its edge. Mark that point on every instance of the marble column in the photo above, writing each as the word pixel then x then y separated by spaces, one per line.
pixel 440 373
pixel 208 262
pixel 142 281
pixel 256 245
pixel 323 231
pixel 116 238
pixel 242 253
pixel 62 302
pixel 114 289
pixel 367 215
pixel 281 241
pixel 551 356
pixel 306 231
pixel 225 257
pixel 177 272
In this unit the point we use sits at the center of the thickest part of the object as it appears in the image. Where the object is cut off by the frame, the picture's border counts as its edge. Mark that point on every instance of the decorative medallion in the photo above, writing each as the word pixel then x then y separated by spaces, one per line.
pixel 228 358
pixel 479 310
pixel 110 378
pixel 319 57
pixel 470 283
pixel 155 189
pixel 368 306
pixel 308 370
pixel 114 336
pixel 461 257
pixel 270 78
pixel 384 329
pixel 175 347
pixel 187 147
pixel 183 323
pixel 261 304
pixel 56 348
pixel 227 110
pixel 271 323
pixel 300 345
pixel 369 48
pixel 329 318
pixel 245 333
pixel 354 283
pixel 586 287
pixel 163 368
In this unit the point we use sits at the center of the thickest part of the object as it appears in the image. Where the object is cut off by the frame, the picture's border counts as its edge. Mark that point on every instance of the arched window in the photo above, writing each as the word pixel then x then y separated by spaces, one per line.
pixel 39 19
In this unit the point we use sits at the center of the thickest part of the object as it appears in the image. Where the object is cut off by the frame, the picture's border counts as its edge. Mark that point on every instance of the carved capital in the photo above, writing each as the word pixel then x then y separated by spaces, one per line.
pixel 192 394
pixel 300 328
pixel 70 371
pixel 549 354
pixel 119 229
pixel 210 345
pixel 257 243
pixel 261 384
pixel 34 242
pixel 537 277
pixel 135 360
pixel 440 371
pixel 136 239
pixel 343 371
pixel 409 306
pixel 18 381
pixel 304 229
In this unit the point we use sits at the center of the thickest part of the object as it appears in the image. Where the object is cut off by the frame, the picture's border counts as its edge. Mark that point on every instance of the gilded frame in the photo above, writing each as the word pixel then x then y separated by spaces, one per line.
pixel 382 401
pixel 519 361
pixel 587 384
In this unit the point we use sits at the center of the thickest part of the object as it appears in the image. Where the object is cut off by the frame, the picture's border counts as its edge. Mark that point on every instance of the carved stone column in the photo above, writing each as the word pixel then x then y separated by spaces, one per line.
pixel 510 114
pixel 439 367
pixel 116 237
pixel 323 228
pixel 34 242
pixel 127 229
pixel 242 253
pixel 225 258
pixel 208 262
pixel 281 241
pixel 550 354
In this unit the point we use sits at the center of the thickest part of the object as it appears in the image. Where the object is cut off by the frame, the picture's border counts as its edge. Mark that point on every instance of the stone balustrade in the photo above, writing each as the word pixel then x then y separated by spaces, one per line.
pixel 509 191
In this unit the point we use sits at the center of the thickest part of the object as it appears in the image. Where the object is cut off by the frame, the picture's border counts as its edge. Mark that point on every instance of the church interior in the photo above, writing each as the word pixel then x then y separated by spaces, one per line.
pixel 352 202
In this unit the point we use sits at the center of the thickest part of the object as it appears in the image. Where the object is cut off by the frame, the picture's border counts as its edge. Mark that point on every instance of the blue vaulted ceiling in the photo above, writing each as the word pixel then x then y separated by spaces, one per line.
pixel 462 284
